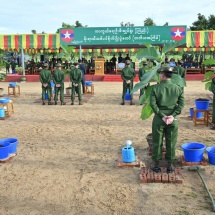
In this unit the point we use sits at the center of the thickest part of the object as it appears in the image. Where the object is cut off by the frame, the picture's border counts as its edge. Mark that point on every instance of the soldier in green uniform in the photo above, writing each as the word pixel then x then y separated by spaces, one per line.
pixel 75 78
pixel 7 65
pixel 142 71
pixel 127 75
pixel 180 70
pixel 58 78
pixel 167 101
pixel 13 66
pixel 213 91
pixel 45 78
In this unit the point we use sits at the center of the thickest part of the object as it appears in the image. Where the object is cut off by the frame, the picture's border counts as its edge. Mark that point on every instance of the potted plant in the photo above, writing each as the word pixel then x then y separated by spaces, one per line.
pixel 19 70
pixel 153 53
pixel 2 78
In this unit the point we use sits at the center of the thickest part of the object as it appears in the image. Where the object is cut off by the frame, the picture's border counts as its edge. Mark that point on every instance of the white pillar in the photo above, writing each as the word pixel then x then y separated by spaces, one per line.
pixel 80 52
pixel 23 62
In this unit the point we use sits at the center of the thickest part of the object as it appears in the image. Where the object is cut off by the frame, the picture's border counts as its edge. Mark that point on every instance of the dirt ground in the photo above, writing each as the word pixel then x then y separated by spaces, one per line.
pixel 66 161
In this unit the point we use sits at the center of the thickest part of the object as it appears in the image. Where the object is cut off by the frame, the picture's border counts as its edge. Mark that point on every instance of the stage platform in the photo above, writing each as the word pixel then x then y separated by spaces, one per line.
pixel 91 77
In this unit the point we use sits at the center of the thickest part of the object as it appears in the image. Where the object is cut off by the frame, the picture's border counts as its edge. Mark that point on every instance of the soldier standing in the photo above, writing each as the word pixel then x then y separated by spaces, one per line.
pixel 127 75
pixel 140 75
pixel 13 66
pixel 58 78
pixel 45 78
pixel 167 101
pixel 83 70
pixel 75 78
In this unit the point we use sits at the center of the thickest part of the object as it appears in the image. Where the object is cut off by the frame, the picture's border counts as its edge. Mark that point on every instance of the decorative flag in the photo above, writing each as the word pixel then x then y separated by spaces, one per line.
pixel 178 33
pixel 67 35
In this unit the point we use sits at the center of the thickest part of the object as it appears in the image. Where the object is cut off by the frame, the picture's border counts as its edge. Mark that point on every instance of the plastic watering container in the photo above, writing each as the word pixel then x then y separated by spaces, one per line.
pixel 198 114
pixel 193 151
pixel 211 154
pixel 202 104
pixel 2 113
pixel 13 144
pixel 46 96
pixel 128 155
pixel 4 150
pixel 127 95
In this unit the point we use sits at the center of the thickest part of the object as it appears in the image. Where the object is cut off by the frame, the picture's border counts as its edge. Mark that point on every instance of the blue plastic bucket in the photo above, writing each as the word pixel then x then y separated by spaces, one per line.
pixel 198 114
pixel 4 149
pixel 193 151
pixel 128 155
pixel 211 154
pixel 2 113
pixel 46 96
pixel 13 144
pixel 127 95
pixel 202 104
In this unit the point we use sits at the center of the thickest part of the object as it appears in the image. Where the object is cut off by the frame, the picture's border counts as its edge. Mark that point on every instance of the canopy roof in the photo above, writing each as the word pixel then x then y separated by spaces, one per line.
pixel 30 41
pixel 200 39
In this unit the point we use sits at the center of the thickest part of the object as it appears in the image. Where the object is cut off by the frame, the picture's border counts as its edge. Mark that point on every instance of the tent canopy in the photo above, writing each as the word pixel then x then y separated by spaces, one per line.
pixel 200 39
pixel 29 41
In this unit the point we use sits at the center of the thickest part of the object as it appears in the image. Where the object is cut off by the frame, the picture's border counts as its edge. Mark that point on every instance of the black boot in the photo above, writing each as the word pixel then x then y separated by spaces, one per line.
pixel 72 103
pixel 170 168
pixel 123 102
pixel 155 167
pixel 43 103
pixel 63 103
pixel 55 102
pixel 132 103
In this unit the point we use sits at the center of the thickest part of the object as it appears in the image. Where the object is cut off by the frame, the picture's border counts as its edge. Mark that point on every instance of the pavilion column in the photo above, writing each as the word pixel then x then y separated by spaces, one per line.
pixel 80 53
pixel 23 62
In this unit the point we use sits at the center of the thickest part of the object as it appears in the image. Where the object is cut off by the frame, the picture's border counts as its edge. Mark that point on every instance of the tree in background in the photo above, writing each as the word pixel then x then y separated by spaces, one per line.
pixel 200 24
pixel 127 24
pixel 149 22
pixel 77 25
pixel 33 31
pixel 211 22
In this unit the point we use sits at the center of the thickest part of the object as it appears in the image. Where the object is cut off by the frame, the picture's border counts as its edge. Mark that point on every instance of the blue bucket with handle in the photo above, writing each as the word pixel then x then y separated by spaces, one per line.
pixel 127 95
pixel 4 150
pixel 128 155
pixel 2 113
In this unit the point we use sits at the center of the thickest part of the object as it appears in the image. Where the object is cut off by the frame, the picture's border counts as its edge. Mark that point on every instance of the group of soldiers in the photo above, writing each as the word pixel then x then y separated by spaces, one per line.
pixel 76 78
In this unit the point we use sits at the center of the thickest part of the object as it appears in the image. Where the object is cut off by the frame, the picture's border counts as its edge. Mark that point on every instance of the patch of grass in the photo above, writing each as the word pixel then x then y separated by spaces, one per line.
pixel 192 195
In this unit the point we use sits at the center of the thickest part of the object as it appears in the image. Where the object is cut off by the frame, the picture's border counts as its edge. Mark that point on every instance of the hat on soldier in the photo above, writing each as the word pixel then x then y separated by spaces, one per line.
pixel 58 65
pixel 166 69
pixel 76 63
pixel 127 62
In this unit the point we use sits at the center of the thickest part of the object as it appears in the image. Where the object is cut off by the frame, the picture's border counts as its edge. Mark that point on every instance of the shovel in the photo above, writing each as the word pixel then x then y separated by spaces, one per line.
pixel 198 169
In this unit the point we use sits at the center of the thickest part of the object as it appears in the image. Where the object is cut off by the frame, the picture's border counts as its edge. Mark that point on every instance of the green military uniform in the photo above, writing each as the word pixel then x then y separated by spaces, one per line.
pixel 58 78
pixel 7 65
pixel 127 74
pixel 213 91
pixel 13 66
pixel 75 78
pixel 45 78
pixel 142 71
pixel 166 99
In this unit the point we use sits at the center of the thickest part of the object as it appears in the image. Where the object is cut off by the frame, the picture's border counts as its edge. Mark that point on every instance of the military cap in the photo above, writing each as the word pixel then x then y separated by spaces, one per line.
pixel 144 62
pixel 166 69
pixel 58 65
pixel 127 62
pixel 76 63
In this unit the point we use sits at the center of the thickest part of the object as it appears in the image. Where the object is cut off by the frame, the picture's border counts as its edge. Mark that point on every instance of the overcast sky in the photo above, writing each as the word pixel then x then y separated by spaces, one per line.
pixel 22 16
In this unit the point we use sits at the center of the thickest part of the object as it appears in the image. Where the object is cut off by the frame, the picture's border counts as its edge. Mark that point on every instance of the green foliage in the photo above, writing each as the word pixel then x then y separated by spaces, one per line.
pixel 208 75
pixel 151 52
pixel 2 76
pixel 203 23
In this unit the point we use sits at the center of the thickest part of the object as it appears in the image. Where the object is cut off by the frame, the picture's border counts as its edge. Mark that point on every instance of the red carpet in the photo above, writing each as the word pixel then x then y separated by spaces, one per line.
pixel 88 77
